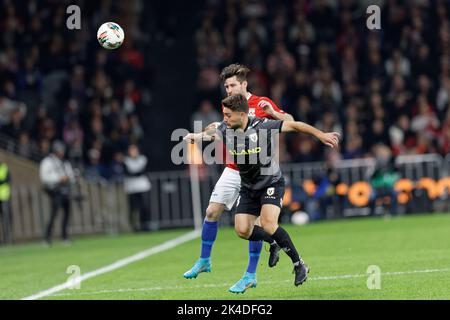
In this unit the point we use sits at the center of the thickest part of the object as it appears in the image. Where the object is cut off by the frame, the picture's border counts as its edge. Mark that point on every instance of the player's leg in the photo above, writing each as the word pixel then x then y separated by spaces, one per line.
pixel 223 197
pixel 274 250
pixel 269 221
pixel 255 234
pixel 271 203
pixel 209 234
pixel 246 228
pixel 210 228
pixel 244 225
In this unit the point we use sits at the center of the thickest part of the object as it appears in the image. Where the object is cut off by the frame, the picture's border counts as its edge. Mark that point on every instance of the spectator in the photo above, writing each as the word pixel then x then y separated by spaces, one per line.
pixel 325 194
pixel 280 63
pixel 137 186
pixel 425 121
pixel 56 175
pixel 353 147
pixel 206 114
pixel 398 64
pixel 253 29
pixel 16 125
pixel 5 204
pixel 443 95
pixel 401 135
pixel 95 171
pixel 327 89
pixel 383 179
pixel 117 169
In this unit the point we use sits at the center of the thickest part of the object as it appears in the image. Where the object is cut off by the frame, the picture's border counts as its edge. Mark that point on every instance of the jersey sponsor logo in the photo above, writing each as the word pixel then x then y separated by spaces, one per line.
pixel 253 137
pixel 245 152
pixel 270 191
pixel 251 112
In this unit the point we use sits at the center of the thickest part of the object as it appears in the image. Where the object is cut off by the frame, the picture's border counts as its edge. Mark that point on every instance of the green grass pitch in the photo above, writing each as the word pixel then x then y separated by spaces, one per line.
pixel 412 252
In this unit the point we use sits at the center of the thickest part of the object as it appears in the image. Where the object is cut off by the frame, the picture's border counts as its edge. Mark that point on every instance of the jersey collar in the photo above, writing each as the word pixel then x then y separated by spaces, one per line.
pixel 248 123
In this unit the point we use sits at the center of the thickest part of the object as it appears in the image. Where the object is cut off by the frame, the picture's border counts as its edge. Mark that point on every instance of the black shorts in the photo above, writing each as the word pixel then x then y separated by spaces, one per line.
pixel 251 201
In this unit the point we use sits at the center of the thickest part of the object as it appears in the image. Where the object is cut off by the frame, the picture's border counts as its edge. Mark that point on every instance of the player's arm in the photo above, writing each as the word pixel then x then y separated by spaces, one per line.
pixel 273 111
pixel 209 134
pixel 282 116
pixel 330 139
pixel 212 126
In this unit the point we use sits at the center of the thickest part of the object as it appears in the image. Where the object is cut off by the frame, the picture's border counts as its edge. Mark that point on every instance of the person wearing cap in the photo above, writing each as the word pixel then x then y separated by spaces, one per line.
pixel 56 175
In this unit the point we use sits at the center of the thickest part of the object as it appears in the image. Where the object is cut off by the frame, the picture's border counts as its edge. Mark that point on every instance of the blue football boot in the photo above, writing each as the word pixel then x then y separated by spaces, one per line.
pixel 247 281
pixel 201 265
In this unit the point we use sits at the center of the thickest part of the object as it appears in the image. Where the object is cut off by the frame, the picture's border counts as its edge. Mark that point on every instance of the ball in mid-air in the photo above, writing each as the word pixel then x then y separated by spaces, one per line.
pixel 300 218
pixel 110 35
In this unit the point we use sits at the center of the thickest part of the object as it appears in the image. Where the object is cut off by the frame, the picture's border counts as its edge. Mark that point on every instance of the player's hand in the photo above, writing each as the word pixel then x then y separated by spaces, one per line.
pixel 191 137
pixel 212 127
pixel 330 139
pixel 267 107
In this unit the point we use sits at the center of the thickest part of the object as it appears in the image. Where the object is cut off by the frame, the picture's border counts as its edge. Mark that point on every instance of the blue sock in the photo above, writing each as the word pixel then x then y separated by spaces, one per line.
pixel 254 250
pixel 209 233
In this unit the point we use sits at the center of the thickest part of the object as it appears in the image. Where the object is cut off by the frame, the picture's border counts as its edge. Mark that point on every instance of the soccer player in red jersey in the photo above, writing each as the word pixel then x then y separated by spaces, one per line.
pixel 226 190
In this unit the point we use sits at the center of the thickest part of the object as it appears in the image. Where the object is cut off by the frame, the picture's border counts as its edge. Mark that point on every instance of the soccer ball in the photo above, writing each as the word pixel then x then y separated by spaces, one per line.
pixel 300 218
pixel 110 35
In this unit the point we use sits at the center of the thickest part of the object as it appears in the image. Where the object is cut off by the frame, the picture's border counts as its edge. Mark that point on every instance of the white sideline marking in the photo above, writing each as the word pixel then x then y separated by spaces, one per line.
pixel 118 264
pixel 337 277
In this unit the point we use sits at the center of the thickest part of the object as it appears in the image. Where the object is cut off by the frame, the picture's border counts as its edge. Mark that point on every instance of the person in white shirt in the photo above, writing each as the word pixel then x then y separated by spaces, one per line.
pixel 56 175
pixel 137 185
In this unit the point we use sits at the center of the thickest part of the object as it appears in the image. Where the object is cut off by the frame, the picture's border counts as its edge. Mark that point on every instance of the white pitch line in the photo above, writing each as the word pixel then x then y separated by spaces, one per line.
pixel 186 287
pixel 118 264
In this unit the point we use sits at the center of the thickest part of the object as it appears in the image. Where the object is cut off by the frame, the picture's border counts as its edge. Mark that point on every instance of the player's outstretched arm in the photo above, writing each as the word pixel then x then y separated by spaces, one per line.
pixel 330 139
pixel 209 134
pixel 283 116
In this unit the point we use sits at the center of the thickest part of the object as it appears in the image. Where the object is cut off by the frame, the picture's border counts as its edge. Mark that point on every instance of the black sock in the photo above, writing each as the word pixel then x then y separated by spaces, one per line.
pixel 259 234
pixel 284 241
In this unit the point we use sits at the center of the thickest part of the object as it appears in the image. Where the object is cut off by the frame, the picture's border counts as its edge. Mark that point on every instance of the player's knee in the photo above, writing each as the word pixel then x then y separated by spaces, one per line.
pixel 242 231
pixel 269 226
pixel 213 213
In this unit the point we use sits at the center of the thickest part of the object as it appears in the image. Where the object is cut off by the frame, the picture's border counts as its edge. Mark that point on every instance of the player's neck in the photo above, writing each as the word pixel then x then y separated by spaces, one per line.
pixel 248 95
pixel 244 124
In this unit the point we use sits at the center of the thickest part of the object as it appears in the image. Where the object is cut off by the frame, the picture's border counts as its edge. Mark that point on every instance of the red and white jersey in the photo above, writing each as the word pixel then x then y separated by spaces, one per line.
pixel 255 110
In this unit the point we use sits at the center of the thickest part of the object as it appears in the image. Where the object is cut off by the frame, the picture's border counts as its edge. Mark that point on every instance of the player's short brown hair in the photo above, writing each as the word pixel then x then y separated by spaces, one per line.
pixel 235 69
pixel 236 102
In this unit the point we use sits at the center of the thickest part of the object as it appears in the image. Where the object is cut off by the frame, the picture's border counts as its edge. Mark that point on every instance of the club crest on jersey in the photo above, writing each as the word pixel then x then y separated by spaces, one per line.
pixel 251 112
pixel 253 137
pixel 270 191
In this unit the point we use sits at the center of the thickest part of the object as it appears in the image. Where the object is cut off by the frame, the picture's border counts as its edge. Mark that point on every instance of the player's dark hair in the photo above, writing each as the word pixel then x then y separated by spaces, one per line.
pixel 236 102
pixel 235 69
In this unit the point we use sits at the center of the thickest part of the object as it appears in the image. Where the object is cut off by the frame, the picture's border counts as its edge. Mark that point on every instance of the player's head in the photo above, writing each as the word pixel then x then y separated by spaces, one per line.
pixel 133 150
pixel 234 79
pixel 59 149
pixel 235 110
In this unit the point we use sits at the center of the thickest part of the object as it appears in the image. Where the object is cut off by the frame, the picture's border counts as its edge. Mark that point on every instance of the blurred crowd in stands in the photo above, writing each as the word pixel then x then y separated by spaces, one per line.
pixel 316 59
pixel 63 85
pixel 319 62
